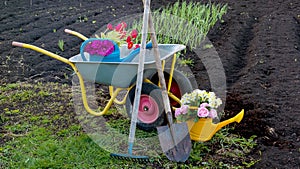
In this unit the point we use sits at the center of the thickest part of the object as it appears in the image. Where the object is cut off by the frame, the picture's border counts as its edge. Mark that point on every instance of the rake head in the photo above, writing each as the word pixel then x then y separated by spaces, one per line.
pixel 128 157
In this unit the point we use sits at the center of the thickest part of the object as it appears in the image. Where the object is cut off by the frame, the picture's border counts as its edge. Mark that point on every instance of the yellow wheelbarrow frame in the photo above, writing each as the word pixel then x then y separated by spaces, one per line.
pixel 113 91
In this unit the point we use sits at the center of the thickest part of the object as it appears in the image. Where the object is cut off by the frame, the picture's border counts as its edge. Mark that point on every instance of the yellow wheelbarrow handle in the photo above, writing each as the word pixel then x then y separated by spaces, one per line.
pixel 76 34
pixel 81 82
pixel 43 51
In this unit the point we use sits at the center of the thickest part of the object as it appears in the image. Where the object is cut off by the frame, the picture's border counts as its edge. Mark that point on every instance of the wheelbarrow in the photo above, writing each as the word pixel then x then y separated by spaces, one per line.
pixel 121 75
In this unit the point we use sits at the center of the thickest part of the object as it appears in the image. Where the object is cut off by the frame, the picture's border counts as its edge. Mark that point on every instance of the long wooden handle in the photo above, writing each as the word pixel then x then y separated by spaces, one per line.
pixel 160 71
pixel 139 79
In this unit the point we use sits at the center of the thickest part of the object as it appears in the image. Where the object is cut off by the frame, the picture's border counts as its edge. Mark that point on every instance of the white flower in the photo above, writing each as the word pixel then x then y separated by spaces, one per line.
pixel 198 96
pixel 219 101
pixel 201 93
pixel 212 95
pixel 212 104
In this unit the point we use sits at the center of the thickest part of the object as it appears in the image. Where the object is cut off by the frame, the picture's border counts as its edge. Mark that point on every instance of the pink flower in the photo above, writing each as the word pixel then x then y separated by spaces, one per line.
pixel 134 33
pixel 204 105
pixel 202 112
pixel 100 47
pixel 184 109
pixel 213 113
pixel 124 24
pixel 120 27
pixel 177 112
pixel 110 27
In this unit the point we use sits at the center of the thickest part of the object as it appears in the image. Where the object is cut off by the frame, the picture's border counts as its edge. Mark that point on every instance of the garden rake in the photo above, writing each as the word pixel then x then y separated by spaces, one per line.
pixel 137 96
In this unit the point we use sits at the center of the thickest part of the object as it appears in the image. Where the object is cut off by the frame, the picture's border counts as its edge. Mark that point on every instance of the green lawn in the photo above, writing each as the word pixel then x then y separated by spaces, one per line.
pixel 40 130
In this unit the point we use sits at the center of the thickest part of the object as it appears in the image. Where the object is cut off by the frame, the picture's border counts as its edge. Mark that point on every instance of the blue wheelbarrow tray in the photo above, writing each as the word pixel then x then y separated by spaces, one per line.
pixel 122 74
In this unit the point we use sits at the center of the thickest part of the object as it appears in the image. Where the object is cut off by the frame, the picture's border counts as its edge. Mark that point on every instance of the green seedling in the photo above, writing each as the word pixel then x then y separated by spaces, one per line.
pixel 83 18
pixel 186 61
pixel 207 46
pixel 61 44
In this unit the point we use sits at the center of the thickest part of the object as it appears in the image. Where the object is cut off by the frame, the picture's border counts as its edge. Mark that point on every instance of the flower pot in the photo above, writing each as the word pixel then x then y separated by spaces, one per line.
pixel 100 50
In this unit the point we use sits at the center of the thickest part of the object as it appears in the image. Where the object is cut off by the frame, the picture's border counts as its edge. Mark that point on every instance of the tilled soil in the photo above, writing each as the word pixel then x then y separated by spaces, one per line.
pixel 258 43
pixel 259 47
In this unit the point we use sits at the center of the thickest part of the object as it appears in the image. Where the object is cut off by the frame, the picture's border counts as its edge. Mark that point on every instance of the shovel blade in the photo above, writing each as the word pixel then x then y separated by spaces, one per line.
pixel 177 144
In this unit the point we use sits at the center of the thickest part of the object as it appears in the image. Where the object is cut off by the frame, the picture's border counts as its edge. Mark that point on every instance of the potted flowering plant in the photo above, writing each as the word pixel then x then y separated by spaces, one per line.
pixel 107 44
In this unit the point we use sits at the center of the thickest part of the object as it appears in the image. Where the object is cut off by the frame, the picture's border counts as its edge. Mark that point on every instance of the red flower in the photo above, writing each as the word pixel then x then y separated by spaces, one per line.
pixel 130 45
pixel 134 33
pixel 136 46
pixel 110 27
pixel 128 39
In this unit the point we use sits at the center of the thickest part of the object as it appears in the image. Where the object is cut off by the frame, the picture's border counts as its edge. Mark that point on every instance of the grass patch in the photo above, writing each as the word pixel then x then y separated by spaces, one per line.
pixel 184 23
pixel 40 148
pixel 40 135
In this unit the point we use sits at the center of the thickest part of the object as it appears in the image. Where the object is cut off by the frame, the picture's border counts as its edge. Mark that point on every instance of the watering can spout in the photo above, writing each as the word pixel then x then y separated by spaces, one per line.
pixel 204 129
pixel 237 118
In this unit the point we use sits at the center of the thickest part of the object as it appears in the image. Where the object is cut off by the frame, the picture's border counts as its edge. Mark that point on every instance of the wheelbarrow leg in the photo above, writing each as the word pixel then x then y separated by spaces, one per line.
pixel 85 102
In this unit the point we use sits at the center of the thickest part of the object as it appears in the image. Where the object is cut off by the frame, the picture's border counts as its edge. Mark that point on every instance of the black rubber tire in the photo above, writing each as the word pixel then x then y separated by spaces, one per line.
pixel 154 92
pixel 179 78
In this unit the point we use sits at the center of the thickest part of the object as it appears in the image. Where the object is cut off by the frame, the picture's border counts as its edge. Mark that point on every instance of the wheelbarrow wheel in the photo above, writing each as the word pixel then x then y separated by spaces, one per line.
pixel 180 84
pixel 151 112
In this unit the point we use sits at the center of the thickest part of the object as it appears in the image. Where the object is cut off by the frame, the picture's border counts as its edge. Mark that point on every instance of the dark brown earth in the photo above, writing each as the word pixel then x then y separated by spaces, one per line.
pixel 258 43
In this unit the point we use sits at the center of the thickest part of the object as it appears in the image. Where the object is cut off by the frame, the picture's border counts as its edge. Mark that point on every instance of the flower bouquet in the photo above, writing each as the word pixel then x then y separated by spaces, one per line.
pixel 119 35
pixel 198 108
pixel 198 104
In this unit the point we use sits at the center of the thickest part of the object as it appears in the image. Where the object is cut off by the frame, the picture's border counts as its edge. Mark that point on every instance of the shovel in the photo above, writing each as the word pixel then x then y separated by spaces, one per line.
pixel 174 138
